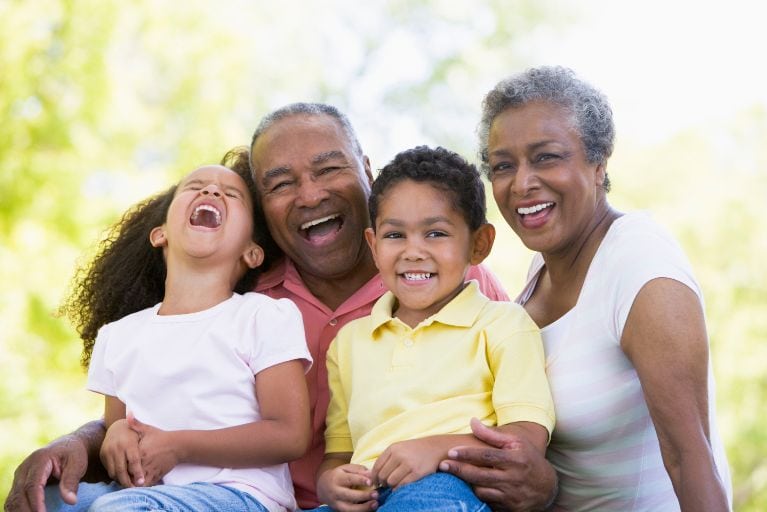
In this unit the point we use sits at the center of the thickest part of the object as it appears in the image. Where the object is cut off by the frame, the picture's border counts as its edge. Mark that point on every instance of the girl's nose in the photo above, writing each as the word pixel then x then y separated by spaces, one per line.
pixel 211 189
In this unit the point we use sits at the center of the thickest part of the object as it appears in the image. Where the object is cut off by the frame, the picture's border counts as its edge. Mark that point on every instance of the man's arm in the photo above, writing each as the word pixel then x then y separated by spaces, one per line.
pixel 67 459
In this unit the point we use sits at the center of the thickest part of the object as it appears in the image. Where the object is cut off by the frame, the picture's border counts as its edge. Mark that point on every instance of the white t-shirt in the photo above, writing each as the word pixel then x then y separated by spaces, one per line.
pixel 604 445
pixel 197 371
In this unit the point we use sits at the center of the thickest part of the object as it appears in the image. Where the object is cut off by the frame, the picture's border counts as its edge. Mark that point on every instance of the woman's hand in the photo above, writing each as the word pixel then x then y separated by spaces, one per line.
pixel 511 475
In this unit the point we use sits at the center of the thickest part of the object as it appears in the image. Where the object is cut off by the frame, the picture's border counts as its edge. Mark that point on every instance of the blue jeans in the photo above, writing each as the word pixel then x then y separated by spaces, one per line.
pixel 193 497
pixel 438 492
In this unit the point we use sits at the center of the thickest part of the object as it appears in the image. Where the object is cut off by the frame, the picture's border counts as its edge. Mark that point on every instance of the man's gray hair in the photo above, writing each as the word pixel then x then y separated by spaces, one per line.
pixel 591 114
pixel 312 109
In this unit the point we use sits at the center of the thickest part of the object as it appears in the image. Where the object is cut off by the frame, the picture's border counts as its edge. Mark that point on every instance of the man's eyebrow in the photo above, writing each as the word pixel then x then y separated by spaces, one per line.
pixel 275 172
pixel 321 158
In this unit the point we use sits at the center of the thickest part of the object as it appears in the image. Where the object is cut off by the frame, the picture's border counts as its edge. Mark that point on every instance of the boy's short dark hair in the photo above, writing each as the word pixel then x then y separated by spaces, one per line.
pixel 441 168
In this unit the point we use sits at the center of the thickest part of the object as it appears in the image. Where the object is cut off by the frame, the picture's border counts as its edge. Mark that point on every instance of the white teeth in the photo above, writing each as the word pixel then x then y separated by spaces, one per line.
pixel 307 225
pixel 533 209
pixel 420 276
pixel 209 208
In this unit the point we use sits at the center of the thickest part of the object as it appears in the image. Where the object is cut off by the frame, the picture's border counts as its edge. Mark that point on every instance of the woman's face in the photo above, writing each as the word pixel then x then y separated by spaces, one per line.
pixel 546 190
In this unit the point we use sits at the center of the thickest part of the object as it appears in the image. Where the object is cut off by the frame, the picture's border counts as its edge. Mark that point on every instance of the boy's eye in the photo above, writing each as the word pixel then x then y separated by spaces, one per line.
pixel 392 234
pixel 435 234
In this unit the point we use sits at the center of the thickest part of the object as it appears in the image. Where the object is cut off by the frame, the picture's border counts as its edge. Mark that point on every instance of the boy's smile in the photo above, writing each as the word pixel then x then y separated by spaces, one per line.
pixel 423 248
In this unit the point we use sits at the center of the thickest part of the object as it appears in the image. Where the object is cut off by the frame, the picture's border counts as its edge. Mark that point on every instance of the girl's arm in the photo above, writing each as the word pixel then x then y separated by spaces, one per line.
pixel 665 338
pixel 282 434
pixel 120 450
pixel 407 461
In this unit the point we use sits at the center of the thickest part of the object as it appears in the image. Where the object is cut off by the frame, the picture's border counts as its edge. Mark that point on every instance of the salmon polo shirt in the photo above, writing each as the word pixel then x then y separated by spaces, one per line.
pixel 321 325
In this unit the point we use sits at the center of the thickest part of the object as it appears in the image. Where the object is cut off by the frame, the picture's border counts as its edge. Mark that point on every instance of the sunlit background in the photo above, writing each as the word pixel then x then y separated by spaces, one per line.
pixel 104 102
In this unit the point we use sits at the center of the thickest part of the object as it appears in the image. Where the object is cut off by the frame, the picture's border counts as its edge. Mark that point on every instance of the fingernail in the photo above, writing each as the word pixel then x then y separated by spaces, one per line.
pixel 452 453
pixel 443 466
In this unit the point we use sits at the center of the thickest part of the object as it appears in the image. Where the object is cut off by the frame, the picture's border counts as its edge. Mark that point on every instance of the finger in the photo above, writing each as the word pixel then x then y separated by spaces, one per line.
pixel 474 475
pixel 121 474
pixel 377 471
pixel 33 487
pixel 399 476
pixel 135 468
pixel 486 457
pixel 355 479
pixel 491 436
pixel 490 495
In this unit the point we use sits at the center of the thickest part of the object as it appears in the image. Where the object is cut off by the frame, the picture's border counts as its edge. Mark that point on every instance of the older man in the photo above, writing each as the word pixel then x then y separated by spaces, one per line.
pixel 313 181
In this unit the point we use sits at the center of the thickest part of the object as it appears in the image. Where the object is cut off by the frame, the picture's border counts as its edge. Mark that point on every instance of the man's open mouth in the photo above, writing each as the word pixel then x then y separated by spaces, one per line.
pixel 322 227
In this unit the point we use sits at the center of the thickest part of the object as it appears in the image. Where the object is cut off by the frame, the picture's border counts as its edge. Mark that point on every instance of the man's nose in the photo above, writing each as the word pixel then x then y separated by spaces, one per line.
pixel 311 193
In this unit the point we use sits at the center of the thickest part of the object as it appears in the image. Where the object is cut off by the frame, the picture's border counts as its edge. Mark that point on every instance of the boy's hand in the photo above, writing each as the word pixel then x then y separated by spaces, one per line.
pixel 120 455
pixel 158 452
pixel 407 461
pixel 347 488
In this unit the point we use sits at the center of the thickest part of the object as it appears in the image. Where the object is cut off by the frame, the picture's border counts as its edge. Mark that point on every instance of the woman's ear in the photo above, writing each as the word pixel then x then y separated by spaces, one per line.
pixel 482 242
pixel 157 237
pixel 253 255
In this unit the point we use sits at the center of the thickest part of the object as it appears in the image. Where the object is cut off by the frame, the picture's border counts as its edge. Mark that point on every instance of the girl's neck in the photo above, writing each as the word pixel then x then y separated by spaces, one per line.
pixel 194 291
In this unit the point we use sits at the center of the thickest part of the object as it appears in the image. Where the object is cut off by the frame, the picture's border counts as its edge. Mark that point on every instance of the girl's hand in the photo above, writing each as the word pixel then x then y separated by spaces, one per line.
pixel 157 449
pixel 120 455
pixel 407 461
pixel 347 488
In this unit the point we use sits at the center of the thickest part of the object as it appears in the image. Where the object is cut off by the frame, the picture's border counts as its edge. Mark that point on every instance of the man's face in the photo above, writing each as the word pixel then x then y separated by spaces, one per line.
pixel 314 188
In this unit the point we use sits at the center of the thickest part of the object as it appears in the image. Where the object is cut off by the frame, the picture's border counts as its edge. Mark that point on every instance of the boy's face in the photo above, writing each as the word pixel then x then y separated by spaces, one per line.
pixel 423 248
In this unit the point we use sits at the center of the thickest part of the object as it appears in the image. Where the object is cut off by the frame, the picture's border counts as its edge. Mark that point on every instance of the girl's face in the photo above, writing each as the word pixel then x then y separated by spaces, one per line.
pixel 423 248
pixel 211 216
pixel 544 187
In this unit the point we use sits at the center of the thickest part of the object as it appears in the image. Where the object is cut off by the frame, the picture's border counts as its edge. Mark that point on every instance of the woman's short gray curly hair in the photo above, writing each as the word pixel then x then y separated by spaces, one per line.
pixel 591 113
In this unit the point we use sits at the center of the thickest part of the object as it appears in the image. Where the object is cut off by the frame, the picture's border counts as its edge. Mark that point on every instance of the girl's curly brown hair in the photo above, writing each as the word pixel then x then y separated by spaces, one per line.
pixel 127 274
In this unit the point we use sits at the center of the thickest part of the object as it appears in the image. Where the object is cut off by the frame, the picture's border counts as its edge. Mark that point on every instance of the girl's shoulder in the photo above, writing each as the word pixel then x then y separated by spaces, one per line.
pixel 258 302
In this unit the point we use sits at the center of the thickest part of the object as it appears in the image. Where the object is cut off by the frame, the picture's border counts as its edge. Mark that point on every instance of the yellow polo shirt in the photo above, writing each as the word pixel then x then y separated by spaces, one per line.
pixel 473 358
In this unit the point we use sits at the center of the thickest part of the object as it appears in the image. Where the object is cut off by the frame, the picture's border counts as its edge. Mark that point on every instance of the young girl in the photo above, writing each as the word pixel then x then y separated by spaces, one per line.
pixel 205 389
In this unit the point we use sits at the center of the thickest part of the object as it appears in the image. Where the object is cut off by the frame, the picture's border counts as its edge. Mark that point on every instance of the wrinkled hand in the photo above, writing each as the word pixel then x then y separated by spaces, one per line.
pixel 156 448
pixel 65 459
pixel 512 476
pixel 348 488
pixel 405 462
pixel 120 455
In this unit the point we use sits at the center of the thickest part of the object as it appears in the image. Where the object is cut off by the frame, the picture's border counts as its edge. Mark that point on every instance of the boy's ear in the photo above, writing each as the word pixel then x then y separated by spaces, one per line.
pixel 483 239
pixel 157 237
pixel 370 238
pixel 253 255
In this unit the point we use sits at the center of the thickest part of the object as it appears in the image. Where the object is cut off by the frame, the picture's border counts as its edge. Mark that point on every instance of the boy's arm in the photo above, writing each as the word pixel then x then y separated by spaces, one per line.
pixel 282 434
pixel 407 461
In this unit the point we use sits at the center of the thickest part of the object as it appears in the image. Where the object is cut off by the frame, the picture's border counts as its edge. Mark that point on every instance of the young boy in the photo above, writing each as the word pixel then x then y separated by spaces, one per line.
pixel 433 354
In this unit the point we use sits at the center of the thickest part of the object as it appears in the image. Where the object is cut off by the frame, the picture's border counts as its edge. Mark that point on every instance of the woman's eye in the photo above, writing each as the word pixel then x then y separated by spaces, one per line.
pixel 544 157
pixel 501 167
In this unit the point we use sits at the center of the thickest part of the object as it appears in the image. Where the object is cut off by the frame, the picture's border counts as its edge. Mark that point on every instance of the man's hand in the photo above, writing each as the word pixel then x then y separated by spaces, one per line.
pixel 156 448
pixel 120 455
pixel 512 476
pixel 347 488
pixel 65 458
pixel 407 461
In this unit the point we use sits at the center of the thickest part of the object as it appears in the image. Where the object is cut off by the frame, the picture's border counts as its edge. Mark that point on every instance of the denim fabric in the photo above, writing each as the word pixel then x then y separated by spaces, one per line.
pixel 438 492
pixel 170 498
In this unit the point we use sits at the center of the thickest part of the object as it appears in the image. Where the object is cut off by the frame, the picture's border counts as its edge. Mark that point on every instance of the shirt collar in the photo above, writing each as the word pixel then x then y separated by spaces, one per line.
pixel 462 311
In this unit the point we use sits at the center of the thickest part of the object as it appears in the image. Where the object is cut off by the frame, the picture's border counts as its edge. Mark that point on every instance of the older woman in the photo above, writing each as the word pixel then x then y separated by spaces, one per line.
pixel 621 316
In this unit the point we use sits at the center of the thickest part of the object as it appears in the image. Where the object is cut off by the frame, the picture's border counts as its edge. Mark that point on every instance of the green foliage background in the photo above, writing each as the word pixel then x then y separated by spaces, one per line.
pixel 103 103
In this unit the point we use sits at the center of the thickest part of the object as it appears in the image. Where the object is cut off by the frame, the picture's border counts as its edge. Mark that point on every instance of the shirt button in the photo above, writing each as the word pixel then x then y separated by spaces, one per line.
pixel 333 321
pixel 408 343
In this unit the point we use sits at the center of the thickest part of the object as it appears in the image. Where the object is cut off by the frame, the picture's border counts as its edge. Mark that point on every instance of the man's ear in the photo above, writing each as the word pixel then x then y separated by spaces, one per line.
pixel 601 174
pixel 368 172
pixel 482 243
pixel 157 237
pixel 253 255
pixel 370 238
